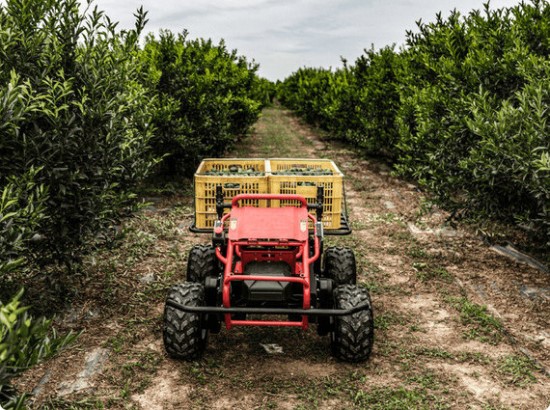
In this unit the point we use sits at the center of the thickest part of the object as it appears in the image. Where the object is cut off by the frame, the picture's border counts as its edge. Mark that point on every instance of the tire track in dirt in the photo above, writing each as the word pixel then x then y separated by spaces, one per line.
pixel 435 347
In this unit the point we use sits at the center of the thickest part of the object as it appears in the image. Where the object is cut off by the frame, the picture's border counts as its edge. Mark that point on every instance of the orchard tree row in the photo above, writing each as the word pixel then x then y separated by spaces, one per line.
pixel 462 108
pixel 87 114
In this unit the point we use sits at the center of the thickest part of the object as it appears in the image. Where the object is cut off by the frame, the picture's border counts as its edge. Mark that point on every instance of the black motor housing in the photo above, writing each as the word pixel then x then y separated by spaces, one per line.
pixel 264 291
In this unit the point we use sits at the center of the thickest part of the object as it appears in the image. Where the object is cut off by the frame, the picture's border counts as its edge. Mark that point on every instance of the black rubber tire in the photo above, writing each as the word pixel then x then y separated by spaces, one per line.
pixel 185 334
pixel 340 266
pixel 202 262
pixel 353 335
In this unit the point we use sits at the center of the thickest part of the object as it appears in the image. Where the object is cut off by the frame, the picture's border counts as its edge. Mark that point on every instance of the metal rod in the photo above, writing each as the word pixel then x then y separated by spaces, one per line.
pixel 265 323
pixel 268 311
pixel 294 279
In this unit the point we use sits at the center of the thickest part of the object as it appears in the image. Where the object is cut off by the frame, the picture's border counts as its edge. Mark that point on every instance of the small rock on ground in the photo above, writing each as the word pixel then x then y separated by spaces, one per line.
pixel 92 366
pixel 389 205
pixel 532 292
pixel 148 279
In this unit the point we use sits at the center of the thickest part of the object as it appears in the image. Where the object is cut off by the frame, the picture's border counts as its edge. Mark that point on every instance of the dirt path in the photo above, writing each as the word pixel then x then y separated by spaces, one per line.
pixel 436 346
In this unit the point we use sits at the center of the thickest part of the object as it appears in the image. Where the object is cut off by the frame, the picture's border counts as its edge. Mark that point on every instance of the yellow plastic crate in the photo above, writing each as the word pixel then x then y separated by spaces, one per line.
pixel 232 184
pixel 306 185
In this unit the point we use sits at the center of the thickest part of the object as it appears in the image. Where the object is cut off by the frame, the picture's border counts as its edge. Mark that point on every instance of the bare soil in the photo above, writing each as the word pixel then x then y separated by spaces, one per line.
pixel 457 325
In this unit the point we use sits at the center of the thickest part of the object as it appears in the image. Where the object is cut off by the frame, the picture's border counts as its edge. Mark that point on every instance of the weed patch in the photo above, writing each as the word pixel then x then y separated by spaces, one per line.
pixel 518 370
pixel 398 399
pixel 425 272
pixel 388 319
pixel 481 324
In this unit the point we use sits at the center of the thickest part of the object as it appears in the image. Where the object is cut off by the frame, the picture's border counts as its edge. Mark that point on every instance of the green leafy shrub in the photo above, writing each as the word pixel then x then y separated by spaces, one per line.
pixel 472 126
pixel 510 164
pixel 264 92
pixel 461 109
pixel 206 94
pixel 356 103
pixel 313 93
pixel 73 107
pixel 21 212
pixel 24 341
pixel 373 98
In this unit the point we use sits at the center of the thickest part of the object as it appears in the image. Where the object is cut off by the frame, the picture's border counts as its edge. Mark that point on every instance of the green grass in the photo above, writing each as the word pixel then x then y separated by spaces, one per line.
pixel 437 353
pixel 427 380
pixel 398 399
pixel 494 406
pixel 518 370
pixel 88 403
pixel 415 251
pixel 422 391
pixel 481 324
pixel 425 272
pixel 461 357
pixel 388 319
pixel 474 357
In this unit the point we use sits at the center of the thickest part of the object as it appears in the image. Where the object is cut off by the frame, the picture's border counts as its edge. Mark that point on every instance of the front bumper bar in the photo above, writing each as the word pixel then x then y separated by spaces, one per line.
pixel 268 311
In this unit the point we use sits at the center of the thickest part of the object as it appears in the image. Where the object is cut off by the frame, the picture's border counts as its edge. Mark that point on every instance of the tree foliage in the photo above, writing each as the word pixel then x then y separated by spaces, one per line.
pixel 462 108
pixel 72 108
pixel 208 97
pixel 86 115
pixel 24 341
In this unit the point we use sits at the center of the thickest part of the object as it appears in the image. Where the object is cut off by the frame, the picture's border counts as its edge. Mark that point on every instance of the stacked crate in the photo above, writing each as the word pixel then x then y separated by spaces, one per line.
pixel 236 176
pixel 302 177
pixel 275 176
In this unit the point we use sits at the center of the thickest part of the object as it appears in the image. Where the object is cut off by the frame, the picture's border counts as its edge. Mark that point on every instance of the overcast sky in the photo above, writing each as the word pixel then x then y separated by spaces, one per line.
pixel 284 35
